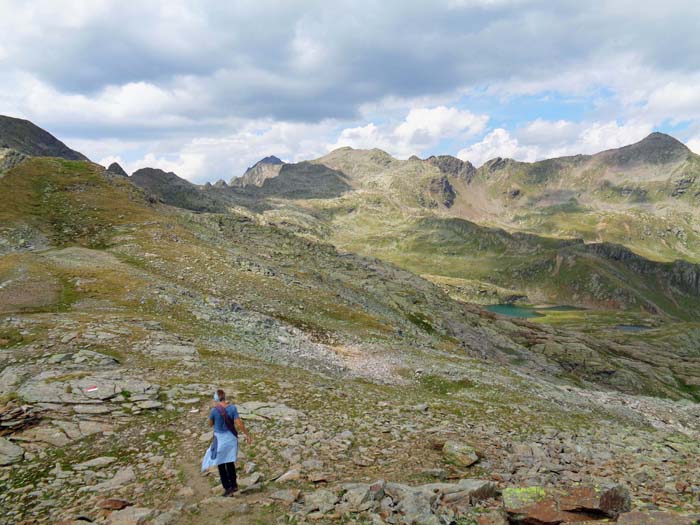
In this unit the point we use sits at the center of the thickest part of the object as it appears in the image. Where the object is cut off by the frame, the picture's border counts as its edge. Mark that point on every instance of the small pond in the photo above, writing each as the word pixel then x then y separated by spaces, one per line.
pixel 632 327
pixel 511 310
pixel 527 312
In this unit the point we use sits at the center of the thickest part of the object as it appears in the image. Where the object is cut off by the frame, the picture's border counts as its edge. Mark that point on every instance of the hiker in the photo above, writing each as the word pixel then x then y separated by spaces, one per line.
pixel 224 448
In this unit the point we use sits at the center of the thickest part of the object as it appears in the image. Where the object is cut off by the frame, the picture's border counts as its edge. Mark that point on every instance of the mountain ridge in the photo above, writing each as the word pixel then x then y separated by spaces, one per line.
pixel 28 139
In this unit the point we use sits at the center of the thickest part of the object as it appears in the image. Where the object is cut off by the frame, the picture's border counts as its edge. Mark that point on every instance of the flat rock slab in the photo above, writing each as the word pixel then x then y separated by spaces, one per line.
pixel 121 478
pixel 95 463
pixel 267 410
pixel 130 516
pixel 288 496
pixel 10 453
pixel 554 506
pixel 174 351
pixel 52 387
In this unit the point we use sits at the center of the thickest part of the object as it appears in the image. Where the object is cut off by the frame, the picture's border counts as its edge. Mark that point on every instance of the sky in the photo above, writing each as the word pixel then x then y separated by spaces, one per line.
pixel 207 88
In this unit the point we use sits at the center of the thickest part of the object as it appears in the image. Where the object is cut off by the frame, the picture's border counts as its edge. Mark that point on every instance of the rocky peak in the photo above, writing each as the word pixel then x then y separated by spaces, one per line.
pixel 116 169
pixel 29 139
pixel 452 166
pixel 255 175
pixel 270 159
pixel 656 148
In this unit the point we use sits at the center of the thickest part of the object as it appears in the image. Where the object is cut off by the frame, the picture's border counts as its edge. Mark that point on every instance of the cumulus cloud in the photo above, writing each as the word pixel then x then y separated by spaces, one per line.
pixel 184 78
pixel 421 129
pixel 223 157
pixel 542 139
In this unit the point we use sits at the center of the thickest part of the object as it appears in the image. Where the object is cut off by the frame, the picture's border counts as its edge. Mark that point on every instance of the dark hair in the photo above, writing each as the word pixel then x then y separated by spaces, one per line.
pixel 221 394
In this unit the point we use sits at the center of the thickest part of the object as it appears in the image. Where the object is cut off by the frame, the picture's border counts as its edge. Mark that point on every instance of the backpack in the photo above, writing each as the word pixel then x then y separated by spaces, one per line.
pixel 227 420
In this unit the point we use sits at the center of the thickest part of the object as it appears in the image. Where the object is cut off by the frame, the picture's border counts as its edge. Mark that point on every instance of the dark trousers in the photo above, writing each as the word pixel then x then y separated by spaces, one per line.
pixel 227 471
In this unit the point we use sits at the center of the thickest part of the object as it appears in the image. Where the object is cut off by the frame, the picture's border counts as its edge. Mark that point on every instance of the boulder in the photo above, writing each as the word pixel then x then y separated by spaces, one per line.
pixel 114 504
pixel 610 500
pixel 535 505
pixel 541 506
pixel 322 501
pixel 459 453
pixel 9 452
pixel 288 496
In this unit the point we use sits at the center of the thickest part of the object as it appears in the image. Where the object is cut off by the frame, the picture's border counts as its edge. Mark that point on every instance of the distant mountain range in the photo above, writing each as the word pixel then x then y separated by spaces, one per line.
pixel 596 231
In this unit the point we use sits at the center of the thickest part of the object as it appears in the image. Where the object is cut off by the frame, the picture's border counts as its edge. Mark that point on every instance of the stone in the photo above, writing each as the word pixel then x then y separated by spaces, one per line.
pixel 654 517
pixel 149 405
pixel 95 463
pixel 114 504
pixel 45 434
pixel 10 453
pixel 459 453
pixel 186 492
pixel 167 518
pixel 130 516
pixel 549 506
pixel 611 500
pixel 322 501
pixel 121 478
pixel 466 493
pixel 290 475
pixel 92 409
pixel 494 517
pixel 44 388
pixel 250 480
pixel 10 378
pixel 174 351
pixel 288 496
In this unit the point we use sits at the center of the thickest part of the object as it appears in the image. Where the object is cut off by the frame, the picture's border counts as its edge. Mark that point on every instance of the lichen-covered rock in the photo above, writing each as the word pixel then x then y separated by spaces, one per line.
pixel 459 453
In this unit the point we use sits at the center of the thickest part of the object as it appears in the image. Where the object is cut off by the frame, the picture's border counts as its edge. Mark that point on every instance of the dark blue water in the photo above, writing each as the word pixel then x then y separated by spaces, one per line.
pixel 511 310
pixel 632 327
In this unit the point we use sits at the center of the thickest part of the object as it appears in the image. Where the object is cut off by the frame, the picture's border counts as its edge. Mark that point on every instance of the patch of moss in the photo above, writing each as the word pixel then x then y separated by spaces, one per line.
pixel 421 321
pixel 443 386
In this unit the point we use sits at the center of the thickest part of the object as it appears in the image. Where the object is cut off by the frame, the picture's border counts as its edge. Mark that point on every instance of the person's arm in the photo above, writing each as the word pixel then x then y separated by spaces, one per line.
pixel 210 419
pixel 240 426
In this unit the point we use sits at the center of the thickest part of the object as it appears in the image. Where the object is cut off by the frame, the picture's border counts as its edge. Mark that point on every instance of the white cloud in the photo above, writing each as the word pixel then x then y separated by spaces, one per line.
pixel 498 143
pixel 421 129
pixel 212 158
pixel 543 139
pixel 694 145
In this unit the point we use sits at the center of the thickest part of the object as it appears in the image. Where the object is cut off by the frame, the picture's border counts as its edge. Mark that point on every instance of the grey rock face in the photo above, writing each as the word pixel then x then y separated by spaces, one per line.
pixel 116 169
pixel 9 452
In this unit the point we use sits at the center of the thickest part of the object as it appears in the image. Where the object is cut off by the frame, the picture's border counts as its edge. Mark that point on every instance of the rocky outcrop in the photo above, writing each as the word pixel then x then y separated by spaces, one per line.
pixel 656 148
pixel 453 167
pixel 9 158
pixel 681 274
pixel 9 452
pixel 116 169
pixel 442 191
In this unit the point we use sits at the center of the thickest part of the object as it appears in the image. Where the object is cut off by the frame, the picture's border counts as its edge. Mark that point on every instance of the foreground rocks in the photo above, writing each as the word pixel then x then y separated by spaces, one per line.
pixel 473 501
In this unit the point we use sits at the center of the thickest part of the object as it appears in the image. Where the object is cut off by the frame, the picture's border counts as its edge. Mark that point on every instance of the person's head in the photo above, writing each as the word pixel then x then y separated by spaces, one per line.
pixel 221 395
